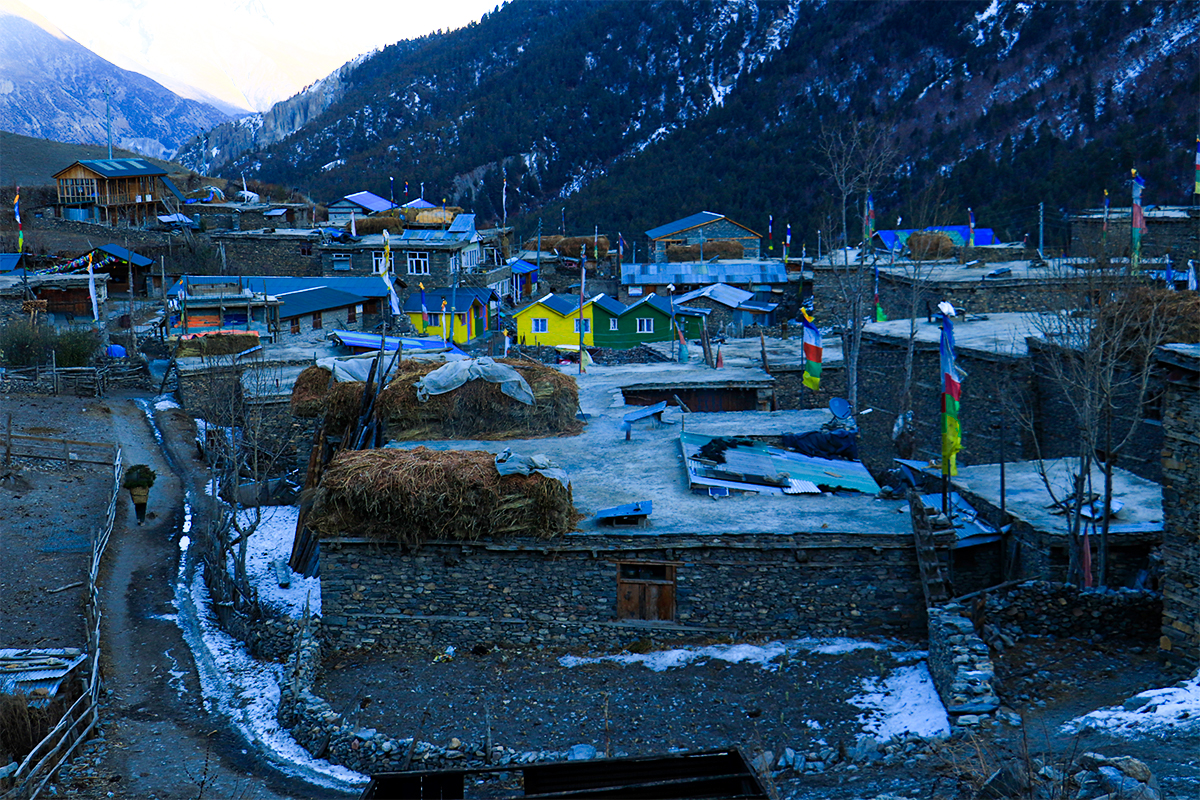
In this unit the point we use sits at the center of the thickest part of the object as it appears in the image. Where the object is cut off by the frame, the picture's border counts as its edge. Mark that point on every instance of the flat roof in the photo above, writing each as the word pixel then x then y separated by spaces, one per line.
pixel 999 334
pixel 1026 497
pixel 606 470
pixel 784 355
pixel 994 273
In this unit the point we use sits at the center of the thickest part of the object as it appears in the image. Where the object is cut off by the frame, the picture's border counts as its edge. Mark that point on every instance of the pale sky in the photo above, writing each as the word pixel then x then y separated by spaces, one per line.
pixel 247 53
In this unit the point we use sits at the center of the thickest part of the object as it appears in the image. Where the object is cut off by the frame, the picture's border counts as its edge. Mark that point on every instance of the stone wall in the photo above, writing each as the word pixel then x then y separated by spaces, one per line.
pixel 1043 608
pixel 992 296
pixel 1181 510
pixel 267 254
pixel 881 377
pixel 791 393
pixel 713 231
pixel 564 593
pixel 1178 236
pixel 961 667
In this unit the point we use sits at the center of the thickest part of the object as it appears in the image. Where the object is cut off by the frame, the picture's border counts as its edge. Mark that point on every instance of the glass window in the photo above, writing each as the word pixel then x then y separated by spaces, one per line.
pixel 418 262
pixel 612 324
pixel 645 325
pixel 587 326
pixel 540 324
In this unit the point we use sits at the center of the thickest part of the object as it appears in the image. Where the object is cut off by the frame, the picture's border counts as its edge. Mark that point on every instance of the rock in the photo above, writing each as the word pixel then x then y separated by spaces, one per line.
pixel 763 761
pixel 455 743
pixel 581 752
pixel 1116 782
pixel 1133 768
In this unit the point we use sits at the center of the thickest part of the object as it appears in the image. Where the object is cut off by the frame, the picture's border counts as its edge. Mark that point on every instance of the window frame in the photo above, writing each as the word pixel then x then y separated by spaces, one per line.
pixel 342 262
pixel 587 325
pixel 648 327
pixel 534 326
pixel 416 262
pixel 614 324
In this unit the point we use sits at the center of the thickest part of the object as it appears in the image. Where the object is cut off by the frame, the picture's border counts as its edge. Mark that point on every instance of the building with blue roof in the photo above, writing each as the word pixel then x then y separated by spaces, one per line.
pixel 758 276
pixel 359 204
pixel 699 229
pixel 473 310
pixel 115 191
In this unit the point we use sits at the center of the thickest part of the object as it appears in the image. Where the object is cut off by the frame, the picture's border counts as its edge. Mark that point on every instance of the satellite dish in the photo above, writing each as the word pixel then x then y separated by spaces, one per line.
pixel 840 407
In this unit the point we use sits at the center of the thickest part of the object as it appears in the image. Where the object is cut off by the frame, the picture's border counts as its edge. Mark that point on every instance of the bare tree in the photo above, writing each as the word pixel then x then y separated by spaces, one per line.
pixel 1101 329
pixel 857 157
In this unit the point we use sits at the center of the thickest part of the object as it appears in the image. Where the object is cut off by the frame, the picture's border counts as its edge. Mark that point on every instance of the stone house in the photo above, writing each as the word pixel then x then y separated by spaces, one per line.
pixel 359 204
pixel 768 279
pixel 1169 229
pixel 270 251
pixel 731 310
pixel 701 228
pixel 1181 503
pixel 309 313
pixel 250 216
pixel 68 297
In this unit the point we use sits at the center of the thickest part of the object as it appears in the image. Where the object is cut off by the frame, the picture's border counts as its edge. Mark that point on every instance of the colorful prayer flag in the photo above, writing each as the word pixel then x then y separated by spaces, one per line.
pixel 770 235
pixel 880 316
pixel 787 245
pixel 951 398
pixel 1198 165
pixel 393 300
pixel 869 221
pixel 1138 223
pixel 971 227
pixel 1191 276
pixel 92 290
pixel 812 352
pixel 424 310
pixel 17 214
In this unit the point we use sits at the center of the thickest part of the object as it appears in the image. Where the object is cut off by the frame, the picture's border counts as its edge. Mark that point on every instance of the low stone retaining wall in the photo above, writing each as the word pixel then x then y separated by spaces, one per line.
pixel 1042 608
pixel 961 666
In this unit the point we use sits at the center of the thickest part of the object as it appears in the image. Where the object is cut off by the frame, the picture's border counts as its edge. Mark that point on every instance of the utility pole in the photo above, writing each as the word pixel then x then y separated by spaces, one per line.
pixel 1042 231
pixel 108 118
pixel 539 250
pixel 453 294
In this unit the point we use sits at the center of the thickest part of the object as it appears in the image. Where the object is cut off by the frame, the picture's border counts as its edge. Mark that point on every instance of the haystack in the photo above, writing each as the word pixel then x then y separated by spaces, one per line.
pixel 477 410
pixel 217 344
pixel 724 248
pixel 310 392
pixel 1148 317
pixel 420 495
pixel 930 244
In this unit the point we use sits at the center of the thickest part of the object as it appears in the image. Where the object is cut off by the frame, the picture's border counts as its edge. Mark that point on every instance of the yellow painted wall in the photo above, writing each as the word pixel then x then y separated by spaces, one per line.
pixel 559 329
pixel 461 332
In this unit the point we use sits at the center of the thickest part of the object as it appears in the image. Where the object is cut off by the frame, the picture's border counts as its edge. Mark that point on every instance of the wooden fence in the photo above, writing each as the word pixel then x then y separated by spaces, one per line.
pixel 48 448
pixel 36 770
pixel 82 381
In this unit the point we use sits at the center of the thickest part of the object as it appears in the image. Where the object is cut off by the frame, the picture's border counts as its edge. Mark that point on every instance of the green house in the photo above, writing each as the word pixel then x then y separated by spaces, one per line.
pixel 648 320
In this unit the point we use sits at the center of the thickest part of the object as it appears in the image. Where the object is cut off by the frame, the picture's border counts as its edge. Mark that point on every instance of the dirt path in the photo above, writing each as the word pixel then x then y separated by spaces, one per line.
pixel 158 742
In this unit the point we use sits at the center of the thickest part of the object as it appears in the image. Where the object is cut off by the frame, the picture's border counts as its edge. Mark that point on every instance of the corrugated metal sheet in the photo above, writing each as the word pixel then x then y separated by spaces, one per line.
pixel 37 672
pixel 369 200
pixel 720 293
pixel 121 167
pixel 680 225
pixel 694 272
pixel 757 467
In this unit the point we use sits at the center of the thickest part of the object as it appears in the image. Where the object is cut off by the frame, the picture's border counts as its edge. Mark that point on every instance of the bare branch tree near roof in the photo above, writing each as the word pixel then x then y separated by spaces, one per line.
pixel 857 157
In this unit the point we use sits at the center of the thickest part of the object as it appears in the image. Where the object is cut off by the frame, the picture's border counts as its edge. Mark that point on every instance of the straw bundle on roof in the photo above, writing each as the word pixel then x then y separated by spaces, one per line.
pixel 478 409
pixel 309 392
pixel 368 225
pixel 930 245
pixel 725 248
pixel 413 496
pixel 217 344
pixel 1146 318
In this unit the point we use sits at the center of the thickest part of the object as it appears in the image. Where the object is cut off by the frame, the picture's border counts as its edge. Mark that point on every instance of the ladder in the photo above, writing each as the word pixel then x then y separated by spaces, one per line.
pixel 933 581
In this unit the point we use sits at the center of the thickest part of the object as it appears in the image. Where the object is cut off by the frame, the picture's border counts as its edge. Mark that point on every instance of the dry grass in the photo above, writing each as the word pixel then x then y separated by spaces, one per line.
pixel 477 410
pixel 924 245
pixel 569 245
pixel 1168 317
pixel 217 344
pixel 310 391
pixel 414 496
pixel 368 225
pixel 692 252
pixel 21 727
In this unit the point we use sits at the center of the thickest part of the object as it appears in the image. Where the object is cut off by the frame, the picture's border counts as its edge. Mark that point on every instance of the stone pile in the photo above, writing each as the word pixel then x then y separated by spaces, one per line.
pixel 961 666
pixel 1092 776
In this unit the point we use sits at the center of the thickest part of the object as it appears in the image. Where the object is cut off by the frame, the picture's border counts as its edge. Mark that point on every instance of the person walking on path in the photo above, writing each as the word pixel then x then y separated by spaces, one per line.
pixel 138 480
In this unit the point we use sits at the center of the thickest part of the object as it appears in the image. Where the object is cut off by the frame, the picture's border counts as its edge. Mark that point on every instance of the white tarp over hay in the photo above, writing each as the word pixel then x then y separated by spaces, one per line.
pixel 456 373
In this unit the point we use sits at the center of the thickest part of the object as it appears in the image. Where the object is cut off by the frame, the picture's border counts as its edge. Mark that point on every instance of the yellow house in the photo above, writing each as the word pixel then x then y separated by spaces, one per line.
pixel 472 312
pixel 553 320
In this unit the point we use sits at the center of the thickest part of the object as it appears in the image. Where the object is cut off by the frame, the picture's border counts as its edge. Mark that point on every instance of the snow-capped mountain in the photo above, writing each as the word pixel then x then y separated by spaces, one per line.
pixel 631 113
pixel 52 87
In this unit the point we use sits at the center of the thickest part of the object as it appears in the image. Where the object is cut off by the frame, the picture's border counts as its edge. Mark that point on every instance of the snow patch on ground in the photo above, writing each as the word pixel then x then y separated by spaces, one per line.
pixel 1173 710
pixel 272 541
pixel 764 655
pixel 904 701
pixel 247 692
pixel 165 401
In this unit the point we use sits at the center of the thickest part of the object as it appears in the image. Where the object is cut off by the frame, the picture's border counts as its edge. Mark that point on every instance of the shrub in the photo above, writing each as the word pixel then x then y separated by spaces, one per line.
pixel 75 347
pixel 24 344
pixel 139 475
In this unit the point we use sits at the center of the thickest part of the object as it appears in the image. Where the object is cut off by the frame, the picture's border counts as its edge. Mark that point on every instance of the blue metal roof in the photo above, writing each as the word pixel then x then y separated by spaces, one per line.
pixel 463 223
pixel 686 273
pixel 118 167
pixel 368 200
pixel 680 225
pixel 959 234
pixel 463 297
pixel 172 188
pixel 522 267
pixel 371 286
pixel 420 202
pixel 371 341
pixel 8 261
pixel 609 304
pixel 126 255
pixel 308 301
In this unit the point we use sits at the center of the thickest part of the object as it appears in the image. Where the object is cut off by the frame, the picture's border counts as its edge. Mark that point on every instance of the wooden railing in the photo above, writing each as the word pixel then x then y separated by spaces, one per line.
pixel 45 759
